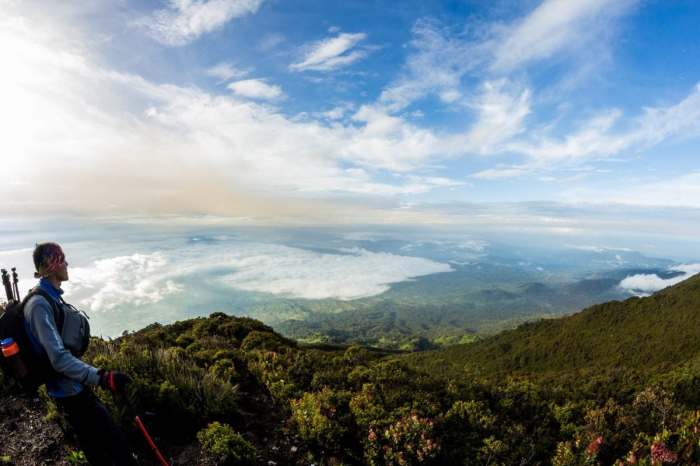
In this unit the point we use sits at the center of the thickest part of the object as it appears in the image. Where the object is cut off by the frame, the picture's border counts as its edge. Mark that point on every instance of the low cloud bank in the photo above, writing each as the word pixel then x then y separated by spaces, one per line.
pixel 645 284
pixel 143 279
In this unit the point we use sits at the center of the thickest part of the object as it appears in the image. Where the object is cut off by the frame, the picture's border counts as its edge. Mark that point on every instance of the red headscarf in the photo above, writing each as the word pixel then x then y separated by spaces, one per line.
pixel 52 260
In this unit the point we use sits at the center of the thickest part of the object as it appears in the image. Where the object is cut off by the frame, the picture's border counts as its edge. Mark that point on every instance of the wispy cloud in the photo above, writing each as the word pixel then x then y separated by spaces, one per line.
pixel 598 136
pixel 270 41
pixel 554 27
pixel 225 72
pixel 436 65
pixel 332 53
pixel 183 21
pixel 256 89
pixel 500 113
pixel 500 172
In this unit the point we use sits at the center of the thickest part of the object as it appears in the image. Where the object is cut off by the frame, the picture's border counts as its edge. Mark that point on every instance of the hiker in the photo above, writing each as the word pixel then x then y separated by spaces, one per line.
pixel 99 437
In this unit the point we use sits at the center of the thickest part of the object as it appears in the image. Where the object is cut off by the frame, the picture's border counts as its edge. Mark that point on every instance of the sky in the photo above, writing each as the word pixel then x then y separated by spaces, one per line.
pixel 554 115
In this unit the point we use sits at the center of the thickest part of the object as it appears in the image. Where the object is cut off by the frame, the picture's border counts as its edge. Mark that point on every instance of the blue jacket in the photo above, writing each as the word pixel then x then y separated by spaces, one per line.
pixel 39 316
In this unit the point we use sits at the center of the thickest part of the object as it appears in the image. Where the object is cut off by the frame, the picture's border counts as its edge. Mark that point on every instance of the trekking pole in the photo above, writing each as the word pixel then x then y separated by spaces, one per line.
pixel 142 428
pixel 8 287
pixel 15 280
pixel 151 443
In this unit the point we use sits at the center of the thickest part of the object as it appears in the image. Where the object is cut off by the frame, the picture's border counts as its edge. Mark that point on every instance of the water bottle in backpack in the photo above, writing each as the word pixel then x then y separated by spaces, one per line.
pixel 13 357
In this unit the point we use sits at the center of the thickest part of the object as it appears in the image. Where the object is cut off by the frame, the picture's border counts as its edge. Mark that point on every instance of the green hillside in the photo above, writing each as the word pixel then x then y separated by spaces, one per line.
pixel 617 383
pixel 642 335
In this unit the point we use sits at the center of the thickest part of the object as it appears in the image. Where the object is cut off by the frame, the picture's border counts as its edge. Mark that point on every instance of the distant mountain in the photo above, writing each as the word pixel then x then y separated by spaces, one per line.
pixel 481 299
pixel 639 335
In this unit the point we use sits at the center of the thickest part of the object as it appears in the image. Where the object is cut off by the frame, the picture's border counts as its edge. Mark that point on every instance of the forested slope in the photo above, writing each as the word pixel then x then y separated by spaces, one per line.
pixel 646 336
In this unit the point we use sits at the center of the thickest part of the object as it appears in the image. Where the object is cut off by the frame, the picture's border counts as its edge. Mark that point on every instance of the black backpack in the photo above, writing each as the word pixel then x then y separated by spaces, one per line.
pixel 13 325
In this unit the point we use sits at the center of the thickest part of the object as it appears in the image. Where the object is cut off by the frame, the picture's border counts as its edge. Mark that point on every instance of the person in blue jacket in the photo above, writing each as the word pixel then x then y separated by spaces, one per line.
pixel 99 437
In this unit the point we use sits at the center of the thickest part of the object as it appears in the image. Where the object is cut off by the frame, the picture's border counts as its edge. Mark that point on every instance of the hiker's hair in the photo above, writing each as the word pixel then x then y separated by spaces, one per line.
pixel 46 254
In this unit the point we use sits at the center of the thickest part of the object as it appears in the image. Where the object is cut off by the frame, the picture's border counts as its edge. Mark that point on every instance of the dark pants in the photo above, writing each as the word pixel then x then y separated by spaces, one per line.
pixel 99 437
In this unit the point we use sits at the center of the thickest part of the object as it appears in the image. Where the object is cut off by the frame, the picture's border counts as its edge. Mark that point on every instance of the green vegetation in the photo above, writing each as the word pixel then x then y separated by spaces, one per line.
pixel 76 457
pixel 618 383
pixel 224 445
pixel 439 310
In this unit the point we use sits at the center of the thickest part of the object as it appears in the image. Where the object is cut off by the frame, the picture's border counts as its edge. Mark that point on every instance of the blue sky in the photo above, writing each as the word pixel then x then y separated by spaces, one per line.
pixel 266 111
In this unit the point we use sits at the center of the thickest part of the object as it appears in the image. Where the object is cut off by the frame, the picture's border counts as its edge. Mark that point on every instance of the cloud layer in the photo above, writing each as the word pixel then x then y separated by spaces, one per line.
pixel 142 279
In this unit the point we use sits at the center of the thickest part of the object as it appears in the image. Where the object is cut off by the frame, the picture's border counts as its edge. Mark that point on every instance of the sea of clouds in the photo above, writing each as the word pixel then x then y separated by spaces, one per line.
pixel 646 284
pixel 141 279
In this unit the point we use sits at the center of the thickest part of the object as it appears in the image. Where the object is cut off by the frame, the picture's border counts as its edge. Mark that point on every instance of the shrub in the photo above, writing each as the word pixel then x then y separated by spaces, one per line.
pixel 225 446
pixel 77 458
pixel 322 418
pixel 410 440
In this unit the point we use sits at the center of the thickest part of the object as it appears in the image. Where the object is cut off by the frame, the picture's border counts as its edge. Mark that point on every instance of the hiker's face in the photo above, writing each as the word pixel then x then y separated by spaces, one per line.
pixel 62 272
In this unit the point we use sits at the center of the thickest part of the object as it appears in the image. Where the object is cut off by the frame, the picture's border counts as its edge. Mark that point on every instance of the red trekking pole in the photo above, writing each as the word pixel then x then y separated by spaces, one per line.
pixel 151 443
pixel 142 428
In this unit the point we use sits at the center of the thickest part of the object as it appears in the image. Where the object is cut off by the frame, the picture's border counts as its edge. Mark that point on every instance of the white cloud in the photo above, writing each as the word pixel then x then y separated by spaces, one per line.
pixel 644 284
pixel 599 249
pixel 256 89
pixel 183 21
pixel 500 173
pixel 436 65
pixel 143 279
pixel 135 280
pixel 332 53
pixel 225 155
pixel 555 26
pixel 501 112
pixel 600 136
pixel 225 72
pixel 270 41
pixel 310 275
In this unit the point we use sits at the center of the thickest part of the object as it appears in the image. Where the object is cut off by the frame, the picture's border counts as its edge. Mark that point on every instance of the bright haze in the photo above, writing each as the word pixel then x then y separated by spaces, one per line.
pixel 571 118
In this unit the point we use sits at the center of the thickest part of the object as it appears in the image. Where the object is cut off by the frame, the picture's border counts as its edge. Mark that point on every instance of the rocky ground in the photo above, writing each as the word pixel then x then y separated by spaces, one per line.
pixel 28 438
pixel 32 434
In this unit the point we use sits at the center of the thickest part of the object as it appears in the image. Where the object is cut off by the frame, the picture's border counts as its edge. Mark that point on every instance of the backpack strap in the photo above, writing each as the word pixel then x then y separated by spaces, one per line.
pixel 58 313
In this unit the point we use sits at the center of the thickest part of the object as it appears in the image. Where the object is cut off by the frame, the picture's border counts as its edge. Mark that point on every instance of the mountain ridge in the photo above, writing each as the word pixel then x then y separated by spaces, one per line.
pixel 648 334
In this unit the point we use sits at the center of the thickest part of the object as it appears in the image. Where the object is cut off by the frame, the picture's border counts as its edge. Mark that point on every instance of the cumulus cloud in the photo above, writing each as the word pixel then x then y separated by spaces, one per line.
pixel 256 89
pixel 134 280
pixel 645 284
pixel 142 279
pixel 332 53
pixel 183 21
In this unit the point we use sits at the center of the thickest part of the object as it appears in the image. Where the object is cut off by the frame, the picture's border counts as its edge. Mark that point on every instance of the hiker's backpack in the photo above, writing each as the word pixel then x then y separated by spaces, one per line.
pixel 13 325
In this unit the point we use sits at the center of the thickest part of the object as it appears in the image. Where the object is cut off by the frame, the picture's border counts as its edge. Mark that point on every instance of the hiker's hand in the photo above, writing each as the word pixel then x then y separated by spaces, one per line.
pixel 114 381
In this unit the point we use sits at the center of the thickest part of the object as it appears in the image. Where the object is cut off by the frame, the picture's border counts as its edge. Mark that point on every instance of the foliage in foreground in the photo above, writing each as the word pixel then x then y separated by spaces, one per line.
pixel 351 405
pixel 224 445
